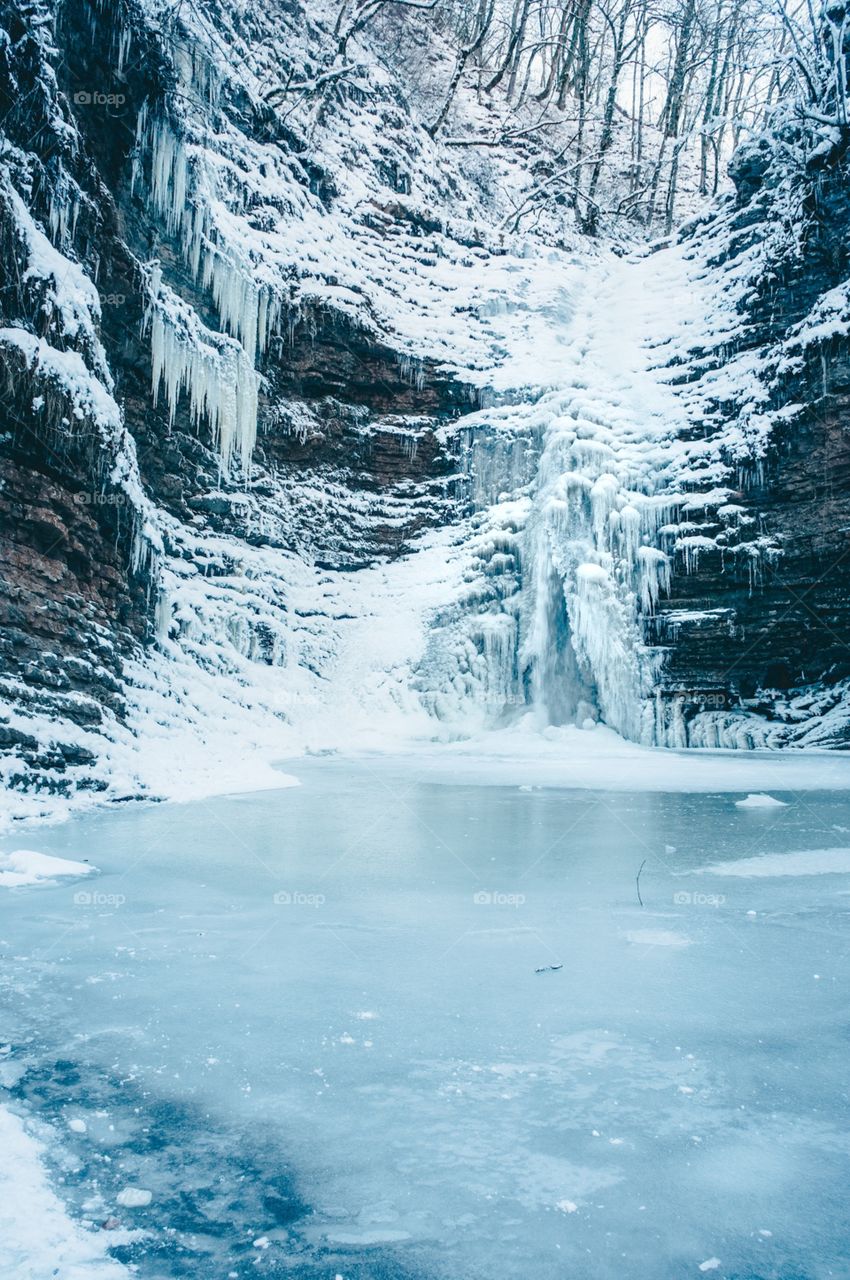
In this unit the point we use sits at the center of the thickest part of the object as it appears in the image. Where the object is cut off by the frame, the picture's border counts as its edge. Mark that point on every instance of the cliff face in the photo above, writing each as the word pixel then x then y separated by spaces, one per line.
pixel 240 341
pixel 77 553
pixel 776 645
pixel 767 631
pixel 107 471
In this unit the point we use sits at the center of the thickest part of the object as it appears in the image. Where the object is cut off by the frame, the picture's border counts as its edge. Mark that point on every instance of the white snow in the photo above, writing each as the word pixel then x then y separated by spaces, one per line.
pixel 37 1238
pixel 758 800
pixel 27 866
pixel 805 862
pixel 71 295
pixel 567 757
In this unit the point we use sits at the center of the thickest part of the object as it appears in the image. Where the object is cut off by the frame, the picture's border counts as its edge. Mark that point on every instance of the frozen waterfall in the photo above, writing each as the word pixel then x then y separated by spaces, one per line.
pixel 570 489
pixel 591 569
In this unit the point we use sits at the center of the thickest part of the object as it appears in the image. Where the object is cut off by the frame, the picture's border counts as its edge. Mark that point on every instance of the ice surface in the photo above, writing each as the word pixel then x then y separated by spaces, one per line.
pixel 134 1198
pixel 567 756
pixel 311 1024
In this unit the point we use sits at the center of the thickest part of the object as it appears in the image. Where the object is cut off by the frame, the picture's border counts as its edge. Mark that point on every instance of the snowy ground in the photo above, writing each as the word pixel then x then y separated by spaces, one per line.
pixel 379 1027
pixel 600 759
pixel 37 1237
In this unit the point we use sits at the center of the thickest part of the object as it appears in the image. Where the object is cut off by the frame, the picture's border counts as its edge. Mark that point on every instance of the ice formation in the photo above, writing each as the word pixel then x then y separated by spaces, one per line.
pixel 565 557
pixel 212 368
pixel 591 534
pixel 183 193
pixel 590 494
pixel 198 196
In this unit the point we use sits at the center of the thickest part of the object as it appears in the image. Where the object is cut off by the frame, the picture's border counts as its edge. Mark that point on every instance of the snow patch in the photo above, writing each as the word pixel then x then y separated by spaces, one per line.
pixel 806 862
pixel 27 866
pixel 37 1237
pixel 759 800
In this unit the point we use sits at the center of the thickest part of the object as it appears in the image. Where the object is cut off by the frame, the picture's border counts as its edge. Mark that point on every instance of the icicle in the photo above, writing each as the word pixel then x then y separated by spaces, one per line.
pixel 248 311
pixel 222 385
pixel 654 574
pixel 630 525
pixel 691 548
pixel 496 634
pixel 162 616
pixel 136 172
pixel 412 370
pixel 603 497
pixel 124 42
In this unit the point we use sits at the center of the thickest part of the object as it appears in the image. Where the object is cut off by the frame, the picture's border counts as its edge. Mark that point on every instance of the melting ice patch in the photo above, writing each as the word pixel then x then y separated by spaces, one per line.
pixel 26 866
pixel 806 862
pixel 134 1198
pixel 656 938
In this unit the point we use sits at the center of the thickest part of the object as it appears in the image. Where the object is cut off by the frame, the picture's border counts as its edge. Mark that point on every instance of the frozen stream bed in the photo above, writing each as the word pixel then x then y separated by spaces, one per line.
pixel 306 1032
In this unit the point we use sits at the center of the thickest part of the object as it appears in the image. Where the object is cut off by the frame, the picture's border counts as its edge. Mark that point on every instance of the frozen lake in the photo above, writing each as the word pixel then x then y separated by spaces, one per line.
pixel 310 1022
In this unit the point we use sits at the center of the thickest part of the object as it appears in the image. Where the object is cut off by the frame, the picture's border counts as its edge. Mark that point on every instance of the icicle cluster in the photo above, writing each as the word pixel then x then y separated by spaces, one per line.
pixel 183 187
pixel 195 191
pixel 212 368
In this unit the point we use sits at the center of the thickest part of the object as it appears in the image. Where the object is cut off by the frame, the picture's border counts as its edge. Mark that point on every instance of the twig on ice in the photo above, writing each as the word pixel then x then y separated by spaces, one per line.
pixel 637 881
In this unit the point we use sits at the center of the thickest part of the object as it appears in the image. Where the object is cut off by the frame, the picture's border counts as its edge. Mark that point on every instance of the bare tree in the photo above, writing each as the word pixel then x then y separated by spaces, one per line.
pixel 646 95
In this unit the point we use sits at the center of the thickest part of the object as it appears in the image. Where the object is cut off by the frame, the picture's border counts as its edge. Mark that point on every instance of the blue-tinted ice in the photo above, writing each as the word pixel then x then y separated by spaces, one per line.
pixel 311 1023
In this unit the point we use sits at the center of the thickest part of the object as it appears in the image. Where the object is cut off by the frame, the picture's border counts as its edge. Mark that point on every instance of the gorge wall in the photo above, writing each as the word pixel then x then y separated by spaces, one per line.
pixel 768 631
